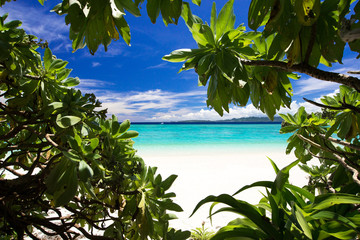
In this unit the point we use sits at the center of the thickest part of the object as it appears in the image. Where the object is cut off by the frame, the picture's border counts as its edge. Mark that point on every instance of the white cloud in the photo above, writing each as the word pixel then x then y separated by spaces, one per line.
pixel 39 22
pixel 93 85
pixel 312 85
pixel 160 105
pixel 158 66
pixel 95 64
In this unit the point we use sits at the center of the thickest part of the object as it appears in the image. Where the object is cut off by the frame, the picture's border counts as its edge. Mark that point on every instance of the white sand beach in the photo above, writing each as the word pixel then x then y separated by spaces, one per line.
pixel 213 171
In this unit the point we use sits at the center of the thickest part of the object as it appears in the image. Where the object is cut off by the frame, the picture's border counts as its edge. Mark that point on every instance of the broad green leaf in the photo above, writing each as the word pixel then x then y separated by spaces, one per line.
pixel 197 2
pixel 85 171
pixel 67 121
pixel 257 12
pixel 69 188
pixel 90 146
pixel 123 29
pixel 153 9
pixel 47 58
pixel 124 126
pixel 52 179
pixel 63 74
pixel 166 184
pixel 71 82
pixel 56 65
pixel 72 155
pixel 181 55
pixel 169 205
pixel 129 134
pixel 288 129
pixel 129 5
pixel 226 19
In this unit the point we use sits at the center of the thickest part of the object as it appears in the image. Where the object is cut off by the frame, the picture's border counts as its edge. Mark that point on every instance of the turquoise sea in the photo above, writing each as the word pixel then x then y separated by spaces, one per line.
pixel 240 135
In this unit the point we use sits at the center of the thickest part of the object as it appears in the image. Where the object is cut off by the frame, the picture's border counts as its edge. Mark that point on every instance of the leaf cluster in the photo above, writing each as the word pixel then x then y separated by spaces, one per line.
pixel 98 22
pixel 288 212
pixel 238 66
pixel 65 168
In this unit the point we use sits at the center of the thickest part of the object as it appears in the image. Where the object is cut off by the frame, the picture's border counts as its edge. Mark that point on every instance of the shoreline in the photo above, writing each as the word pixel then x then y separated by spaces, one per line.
pixel 211 171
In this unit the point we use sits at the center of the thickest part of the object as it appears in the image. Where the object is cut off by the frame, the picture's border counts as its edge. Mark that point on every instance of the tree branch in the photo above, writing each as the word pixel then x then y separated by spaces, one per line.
pixel 346 144
pixel 344 106
pixel 341 160
pixel 309 70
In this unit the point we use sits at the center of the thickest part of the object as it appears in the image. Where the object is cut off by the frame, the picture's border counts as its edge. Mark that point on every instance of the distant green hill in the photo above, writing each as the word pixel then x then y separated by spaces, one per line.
pixel 245 119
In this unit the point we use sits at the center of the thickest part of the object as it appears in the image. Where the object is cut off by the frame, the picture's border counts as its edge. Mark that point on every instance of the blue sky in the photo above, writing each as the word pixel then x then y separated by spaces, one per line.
pixel 133 82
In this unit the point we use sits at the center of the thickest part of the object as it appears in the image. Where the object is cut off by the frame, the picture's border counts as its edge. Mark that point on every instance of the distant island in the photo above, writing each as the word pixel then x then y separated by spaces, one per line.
pixel 238 120
pixel 277 120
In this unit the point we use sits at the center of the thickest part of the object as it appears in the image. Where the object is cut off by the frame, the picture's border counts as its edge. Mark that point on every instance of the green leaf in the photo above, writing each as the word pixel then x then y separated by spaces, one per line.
pixel 301 191
pixel 69 188
pixel 47 58
pixel 124 126
pixel 90 147
pixel 56 65
pixel 244 209
pixel 52 179
pixel 129 6
pixel 85 171
pixel 181 55
pixel 213 18
pixel 169 205
pixel 257 12
pixel 328 200
pixel 332 215
pixel 238 232
pixel 302 222
pixel 123 29
pixel 166 184
pixel 267 184
pixel 67 121
pixel 72 155
pixel 71 82
pixel 282 177
pixel 197 2
pixel 226 19
pixel 153 9
pixel 129 134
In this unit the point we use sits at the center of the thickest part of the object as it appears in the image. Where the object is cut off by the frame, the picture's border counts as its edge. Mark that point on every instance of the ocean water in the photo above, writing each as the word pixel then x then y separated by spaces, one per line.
pixel 224 135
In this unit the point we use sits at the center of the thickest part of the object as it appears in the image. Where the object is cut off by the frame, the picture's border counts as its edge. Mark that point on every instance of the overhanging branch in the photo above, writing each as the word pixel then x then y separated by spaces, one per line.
pixel 339 159
pixel 309 70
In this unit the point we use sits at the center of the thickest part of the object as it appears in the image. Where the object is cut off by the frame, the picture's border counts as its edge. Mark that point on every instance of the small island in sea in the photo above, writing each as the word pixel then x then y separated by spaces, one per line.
pixel 277 120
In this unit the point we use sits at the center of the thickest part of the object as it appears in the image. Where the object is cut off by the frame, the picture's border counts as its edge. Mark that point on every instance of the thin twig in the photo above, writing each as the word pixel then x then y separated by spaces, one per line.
pixel 309 70
pixel 341 160
pixel 346 144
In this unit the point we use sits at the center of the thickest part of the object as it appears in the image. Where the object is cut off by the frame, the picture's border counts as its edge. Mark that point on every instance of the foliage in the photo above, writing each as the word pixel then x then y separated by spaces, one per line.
pixel 61 151
pixel 64 166
pixel 95 22
pixel 289 212
pixel 239 65
pixel 201 233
